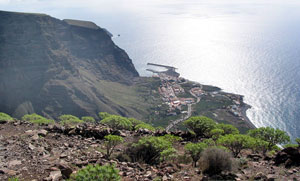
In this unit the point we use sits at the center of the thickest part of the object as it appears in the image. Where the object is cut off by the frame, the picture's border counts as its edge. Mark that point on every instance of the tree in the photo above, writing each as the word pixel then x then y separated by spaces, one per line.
pixel 298 141
pixel 259 145
pixel 117 122
pixel 68 119
pixel 194 150
pixel 168 155
pixel 111 141
pixel 103 115
pixel 270 135
pixel 200 125
pixel 144 126
pixel 97 173
pixel 88 119
pixel 36 119
pixel 135 122
pixel 228 128
pixel 150 149
pixel 5 117
pixel 235 143
pixel 216 133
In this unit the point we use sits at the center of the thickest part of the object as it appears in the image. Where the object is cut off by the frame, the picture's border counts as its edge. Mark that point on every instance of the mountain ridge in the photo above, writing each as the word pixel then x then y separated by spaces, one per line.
pixel 52 67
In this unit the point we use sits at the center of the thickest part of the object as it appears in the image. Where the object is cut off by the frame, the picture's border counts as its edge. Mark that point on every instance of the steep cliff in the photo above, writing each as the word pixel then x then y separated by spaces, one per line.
pixel 52 67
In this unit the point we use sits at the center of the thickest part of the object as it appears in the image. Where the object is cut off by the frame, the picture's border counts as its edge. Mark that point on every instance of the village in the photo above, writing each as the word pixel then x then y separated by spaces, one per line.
pixel 180 98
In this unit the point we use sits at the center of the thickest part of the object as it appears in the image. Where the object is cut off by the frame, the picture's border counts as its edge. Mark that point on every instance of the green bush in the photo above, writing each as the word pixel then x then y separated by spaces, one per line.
pixel 200 125
pixel 298 141
pixel 216 133
pixel 149 149
pixel 88 119
pixel 144 126
pixel 168 155
pixel 117 122
pixel 135 122
pixel 37 119
pixel 13 179
pixel 194 150
pixel 270 135
pixel 171 138
pixel 5 117
pixel 210 142
pixel 235 143
pixel 214 161
pixel 68 119
pixel 290 145
pixel 259 145
pixel 97 173
pixel 103 115
pixel 228 128
pixel 111 141
pixel 159 128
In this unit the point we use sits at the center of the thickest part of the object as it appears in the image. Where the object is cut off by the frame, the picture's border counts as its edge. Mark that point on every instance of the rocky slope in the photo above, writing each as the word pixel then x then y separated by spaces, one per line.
pixel 31 152
pixel 53 67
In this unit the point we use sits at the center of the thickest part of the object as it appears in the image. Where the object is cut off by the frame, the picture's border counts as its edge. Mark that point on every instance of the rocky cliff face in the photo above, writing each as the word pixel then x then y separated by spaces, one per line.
pixel 52 67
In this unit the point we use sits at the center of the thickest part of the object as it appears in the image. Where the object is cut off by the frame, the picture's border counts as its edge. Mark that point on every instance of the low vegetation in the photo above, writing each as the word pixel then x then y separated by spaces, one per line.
pixel 88 119
pixel 97 173
pixel 5 117
pixel 213 148
pixel 216 160
pixel 117 122
pixel 200 125
pixel 270 135
pixel 111 141
pixel 68 119
pixel 194 150
pixel 37 119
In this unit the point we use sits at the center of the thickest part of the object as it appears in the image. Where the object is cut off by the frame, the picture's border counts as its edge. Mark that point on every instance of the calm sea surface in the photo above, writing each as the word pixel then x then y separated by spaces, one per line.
pixel 249 47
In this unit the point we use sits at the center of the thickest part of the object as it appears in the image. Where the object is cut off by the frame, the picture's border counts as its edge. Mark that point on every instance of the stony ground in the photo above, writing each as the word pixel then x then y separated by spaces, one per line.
pixel 31 152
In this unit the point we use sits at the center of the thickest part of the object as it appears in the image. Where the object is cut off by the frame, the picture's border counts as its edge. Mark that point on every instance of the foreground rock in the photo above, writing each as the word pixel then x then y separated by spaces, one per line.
pixel 54 152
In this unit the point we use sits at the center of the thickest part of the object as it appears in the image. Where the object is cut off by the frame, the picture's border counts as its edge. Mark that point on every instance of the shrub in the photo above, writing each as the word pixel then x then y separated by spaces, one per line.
pixel 117 122
pixel 271 135
pixel 194 150
pixel 88 119
pixel 68 119
pixel 13 179
pixel 103 115
pixel 290 145
pixel 259 145
pixel 298 141
pixel 135 122
pixel 37 119
pixel 228 128
pixel 5 117
pixel 144 126
pixel 111 141
pixel 168 155
pixel 215 160
pixel 149 149
pixel 171 138
pixel 97 173
pixel 159 128
pixel 200 125
pixel 235 143
pixel 216 133
pixel 210 142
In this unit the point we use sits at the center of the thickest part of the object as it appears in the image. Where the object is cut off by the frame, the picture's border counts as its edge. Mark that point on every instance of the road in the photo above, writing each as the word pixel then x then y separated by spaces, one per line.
pixel 189 114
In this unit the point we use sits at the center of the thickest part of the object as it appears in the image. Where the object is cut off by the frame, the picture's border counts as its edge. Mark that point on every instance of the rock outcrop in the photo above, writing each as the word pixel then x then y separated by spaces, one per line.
pixel 52 67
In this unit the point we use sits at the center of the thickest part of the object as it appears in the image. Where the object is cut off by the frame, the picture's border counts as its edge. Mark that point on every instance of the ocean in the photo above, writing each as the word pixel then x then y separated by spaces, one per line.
pixel 248 47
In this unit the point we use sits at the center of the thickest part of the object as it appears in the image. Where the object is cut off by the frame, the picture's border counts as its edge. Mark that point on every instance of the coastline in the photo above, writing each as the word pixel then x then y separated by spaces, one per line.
pixel 244 109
